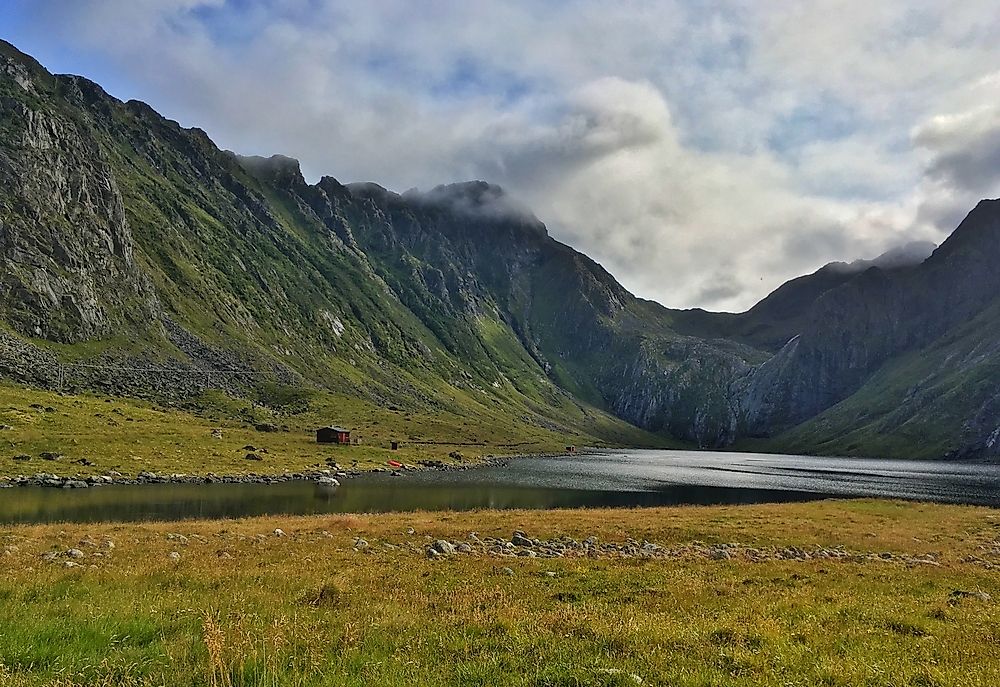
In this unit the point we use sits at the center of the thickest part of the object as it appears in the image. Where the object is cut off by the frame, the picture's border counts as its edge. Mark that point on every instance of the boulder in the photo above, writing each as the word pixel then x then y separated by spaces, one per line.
pixel 519 539
pixel 444 547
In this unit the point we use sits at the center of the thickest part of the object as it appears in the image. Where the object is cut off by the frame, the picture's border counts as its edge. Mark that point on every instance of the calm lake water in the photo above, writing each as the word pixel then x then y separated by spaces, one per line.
pixel 614 479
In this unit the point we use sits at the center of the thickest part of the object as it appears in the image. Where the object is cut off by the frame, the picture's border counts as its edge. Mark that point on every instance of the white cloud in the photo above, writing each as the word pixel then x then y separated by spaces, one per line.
pixel 703 152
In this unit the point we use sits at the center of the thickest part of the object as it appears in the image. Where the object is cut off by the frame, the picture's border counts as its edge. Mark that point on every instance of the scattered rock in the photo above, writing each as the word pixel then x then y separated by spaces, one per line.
pixel 509 572
pixel 278 532
pixel 174 556
pixel 50 455
pixel 443 547
pixel 252 456
pixel 75 553
pixel 519 539
pixel 267 427
pixel 22 457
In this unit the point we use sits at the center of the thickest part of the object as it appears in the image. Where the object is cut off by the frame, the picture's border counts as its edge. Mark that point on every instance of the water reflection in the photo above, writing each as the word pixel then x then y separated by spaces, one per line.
pixel 615 479
pixel 180 501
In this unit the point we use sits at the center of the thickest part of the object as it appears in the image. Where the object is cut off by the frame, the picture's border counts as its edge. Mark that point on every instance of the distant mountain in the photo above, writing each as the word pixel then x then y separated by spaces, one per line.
pixel 900 361
pixel 783 313
pixel 128 240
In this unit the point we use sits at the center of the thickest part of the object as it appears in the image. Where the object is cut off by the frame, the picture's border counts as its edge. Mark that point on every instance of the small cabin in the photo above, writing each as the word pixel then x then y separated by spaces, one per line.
pixel 333 435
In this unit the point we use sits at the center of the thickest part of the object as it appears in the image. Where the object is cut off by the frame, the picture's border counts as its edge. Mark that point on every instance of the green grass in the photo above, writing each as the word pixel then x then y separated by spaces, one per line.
pixel 307 609
pixel 130 436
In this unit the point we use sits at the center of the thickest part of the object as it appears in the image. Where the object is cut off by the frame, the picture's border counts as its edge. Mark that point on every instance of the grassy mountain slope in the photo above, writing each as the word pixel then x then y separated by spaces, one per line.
pixel 195 259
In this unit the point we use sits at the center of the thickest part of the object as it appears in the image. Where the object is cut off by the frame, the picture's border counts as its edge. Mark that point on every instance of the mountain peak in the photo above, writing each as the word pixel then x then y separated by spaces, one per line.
pixel 23 69
pixel 11 53
pixel 978 233
pixel 906 255
pixel 479 199
pixel 279 170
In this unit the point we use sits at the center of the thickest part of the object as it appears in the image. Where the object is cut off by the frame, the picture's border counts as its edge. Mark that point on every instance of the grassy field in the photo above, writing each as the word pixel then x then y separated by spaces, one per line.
pixel 233 603
pixel 96 434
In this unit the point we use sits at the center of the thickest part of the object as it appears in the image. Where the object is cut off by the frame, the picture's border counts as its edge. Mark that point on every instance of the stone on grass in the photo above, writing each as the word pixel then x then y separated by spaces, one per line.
pixel 519 539
pixel 444 547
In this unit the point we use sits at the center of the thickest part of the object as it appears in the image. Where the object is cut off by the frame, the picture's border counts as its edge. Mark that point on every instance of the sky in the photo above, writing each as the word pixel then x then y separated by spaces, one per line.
pixel 704 152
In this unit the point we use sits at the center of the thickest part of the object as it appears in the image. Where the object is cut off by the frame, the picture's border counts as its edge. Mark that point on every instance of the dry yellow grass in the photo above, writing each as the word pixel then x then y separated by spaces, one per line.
pixel 242 606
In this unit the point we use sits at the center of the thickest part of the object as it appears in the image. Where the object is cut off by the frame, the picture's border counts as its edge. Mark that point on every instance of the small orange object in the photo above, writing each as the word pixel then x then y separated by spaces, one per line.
pixel 394 464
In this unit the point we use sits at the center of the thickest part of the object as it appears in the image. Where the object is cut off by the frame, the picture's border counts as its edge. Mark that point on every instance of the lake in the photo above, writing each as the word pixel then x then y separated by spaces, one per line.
pixel 618 478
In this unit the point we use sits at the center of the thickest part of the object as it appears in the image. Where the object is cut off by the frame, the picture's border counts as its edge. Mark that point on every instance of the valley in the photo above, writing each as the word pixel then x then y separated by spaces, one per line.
pixel 142 262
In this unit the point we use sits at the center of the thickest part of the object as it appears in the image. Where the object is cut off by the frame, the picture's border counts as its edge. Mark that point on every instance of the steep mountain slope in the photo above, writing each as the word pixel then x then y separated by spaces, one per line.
pixel 857 327
pixel 126 236
pixel 905 359
pixel 209 261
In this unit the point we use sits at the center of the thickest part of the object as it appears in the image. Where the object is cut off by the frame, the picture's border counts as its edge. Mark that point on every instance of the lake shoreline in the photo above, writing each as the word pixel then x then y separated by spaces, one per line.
pixel 331 475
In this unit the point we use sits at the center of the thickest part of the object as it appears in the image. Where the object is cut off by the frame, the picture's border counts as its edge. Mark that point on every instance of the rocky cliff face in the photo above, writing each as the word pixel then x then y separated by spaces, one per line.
pixel 68 270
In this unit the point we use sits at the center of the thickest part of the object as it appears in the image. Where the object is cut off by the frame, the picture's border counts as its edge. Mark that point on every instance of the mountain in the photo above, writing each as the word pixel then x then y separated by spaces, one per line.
pixel 902 360
pixel 136 246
